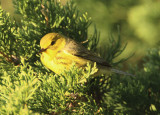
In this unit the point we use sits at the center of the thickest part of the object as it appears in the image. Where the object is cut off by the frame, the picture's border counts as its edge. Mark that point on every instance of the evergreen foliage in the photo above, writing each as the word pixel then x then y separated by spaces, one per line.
pixel 27 87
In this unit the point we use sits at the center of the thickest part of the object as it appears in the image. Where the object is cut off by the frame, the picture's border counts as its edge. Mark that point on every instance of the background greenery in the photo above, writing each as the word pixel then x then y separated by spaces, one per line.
pixel 27 87
pixel 138 20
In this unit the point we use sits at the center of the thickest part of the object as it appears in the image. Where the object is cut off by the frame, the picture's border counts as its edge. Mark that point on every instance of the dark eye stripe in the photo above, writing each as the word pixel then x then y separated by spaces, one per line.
pixel 53 42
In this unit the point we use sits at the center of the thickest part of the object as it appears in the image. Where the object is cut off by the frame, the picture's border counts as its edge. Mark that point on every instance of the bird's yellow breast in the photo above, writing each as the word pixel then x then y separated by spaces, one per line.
pixel 61 61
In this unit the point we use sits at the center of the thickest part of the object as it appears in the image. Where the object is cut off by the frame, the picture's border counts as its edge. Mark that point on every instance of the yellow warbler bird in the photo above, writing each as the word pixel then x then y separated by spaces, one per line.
pixel 60 52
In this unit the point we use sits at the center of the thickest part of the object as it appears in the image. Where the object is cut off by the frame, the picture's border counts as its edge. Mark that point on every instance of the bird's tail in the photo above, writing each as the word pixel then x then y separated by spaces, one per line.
pixel 121 72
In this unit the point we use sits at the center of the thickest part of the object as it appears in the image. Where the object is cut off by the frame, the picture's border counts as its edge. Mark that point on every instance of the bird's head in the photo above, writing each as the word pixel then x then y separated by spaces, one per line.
pixel 52 41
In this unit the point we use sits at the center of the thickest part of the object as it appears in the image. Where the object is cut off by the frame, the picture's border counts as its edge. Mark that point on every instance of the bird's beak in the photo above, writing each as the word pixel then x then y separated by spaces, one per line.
pixel 42 50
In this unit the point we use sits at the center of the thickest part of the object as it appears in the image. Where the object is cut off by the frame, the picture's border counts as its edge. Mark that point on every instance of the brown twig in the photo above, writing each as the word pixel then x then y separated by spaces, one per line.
pixel 83 42
pixel 12 59
pixel 45 12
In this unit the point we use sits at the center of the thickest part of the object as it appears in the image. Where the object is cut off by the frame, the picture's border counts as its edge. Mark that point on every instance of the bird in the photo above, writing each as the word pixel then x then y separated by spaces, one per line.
pixel 59 52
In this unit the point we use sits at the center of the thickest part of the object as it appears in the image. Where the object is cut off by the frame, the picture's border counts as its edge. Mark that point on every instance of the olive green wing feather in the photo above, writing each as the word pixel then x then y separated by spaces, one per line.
pixel 78 50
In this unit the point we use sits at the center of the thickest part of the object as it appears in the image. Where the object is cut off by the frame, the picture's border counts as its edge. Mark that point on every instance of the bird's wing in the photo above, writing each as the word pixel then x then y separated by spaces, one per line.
pixel 78 50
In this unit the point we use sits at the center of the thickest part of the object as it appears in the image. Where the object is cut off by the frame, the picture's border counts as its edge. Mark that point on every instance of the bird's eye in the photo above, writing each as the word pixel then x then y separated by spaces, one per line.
pixel 53 42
